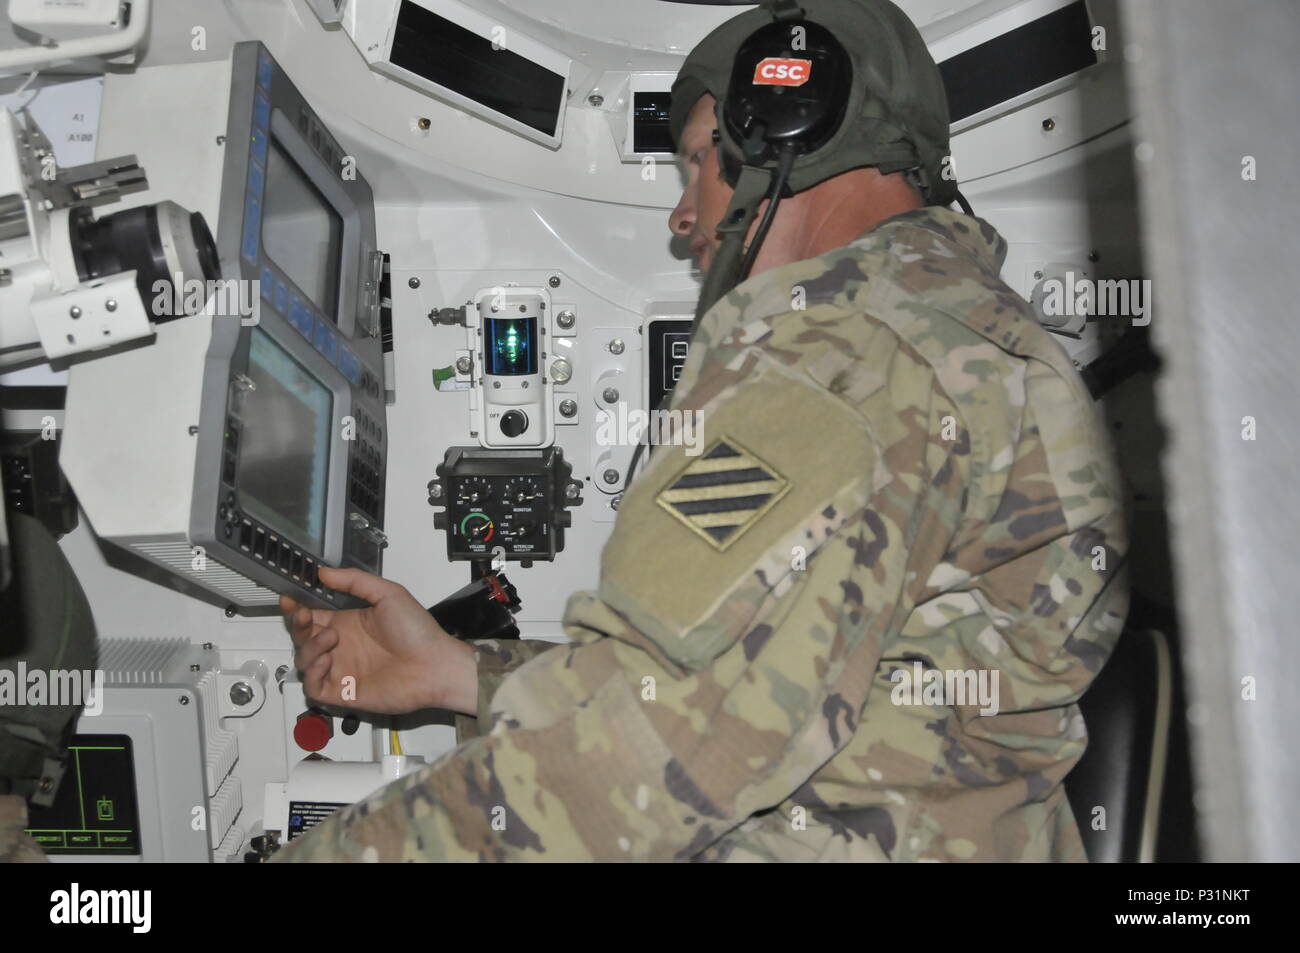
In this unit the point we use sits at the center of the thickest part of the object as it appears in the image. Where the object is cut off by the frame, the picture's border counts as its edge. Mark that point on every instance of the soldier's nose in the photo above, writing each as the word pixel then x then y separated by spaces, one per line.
pixel 682 219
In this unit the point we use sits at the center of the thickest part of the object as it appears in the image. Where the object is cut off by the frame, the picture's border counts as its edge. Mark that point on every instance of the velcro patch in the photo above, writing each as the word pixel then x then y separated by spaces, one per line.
pixel 723 493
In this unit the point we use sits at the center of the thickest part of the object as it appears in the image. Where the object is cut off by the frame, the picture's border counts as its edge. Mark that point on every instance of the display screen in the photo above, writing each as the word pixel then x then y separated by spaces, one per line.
pixel 95 810
pixel 301 232
pixel 285 447
pixel 511 348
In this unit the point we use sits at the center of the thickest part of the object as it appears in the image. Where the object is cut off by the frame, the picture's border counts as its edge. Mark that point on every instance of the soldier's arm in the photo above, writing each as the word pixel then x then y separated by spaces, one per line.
pixel 495 659
pixel 728 651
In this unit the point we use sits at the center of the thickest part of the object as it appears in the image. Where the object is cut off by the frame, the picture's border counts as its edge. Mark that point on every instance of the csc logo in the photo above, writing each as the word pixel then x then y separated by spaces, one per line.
pixel 775 71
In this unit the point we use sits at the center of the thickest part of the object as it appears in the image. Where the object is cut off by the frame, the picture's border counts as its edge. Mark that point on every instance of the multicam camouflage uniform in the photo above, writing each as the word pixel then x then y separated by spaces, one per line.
pixel 899 466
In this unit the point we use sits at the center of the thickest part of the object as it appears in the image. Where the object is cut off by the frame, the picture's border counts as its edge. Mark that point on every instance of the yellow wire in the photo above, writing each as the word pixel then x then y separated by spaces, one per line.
pixel 395 741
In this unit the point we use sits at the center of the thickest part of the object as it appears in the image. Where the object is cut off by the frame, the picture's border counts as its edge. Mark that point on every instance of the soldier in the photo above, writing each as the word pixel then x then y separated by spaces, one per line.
pixel 857 625
pixel 45 624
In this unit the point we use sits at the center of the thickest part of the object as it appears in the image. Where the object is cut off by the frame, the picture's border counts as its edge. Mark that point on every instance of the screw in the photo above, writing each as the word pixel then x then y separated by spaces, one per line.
pixel 553 281
pixel 523 308
pixel 230 612
pixel 1093 256
pixel 496 383
pixel 184 699
pixel 616 346
pixel 110 305
pixel 464 365
pixel 596 99
pixel 571 491
pixel 425 123
pixel 194 666
pixel 566 319
pixel 221 140
pixel 241 693
pixel 568 408
pixel 413 283
pixel 610 476
pixel 47 785
pixel 1049 125
pixel 436 491
pixel 1038 276
pixel 613 504
pixel 609 395
pixel 74 312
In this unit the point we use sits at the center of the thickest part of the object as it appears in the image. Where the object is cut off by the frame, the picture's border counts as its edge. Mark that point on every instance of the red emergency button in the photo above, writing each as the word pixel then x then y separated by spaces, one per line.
pixel 313 730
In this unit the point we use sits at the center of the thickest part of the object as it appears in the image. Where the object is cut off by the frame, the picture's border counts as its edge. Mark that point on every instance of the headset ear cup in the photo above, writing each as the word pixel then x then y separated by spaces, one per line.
pixel 790 85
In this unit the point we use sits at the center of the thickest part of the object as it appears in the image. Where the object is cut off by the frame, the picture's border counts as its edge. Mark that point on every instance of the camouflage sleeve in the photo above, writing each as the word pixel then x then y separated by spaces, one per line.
pixel 496 659
pixel 727 653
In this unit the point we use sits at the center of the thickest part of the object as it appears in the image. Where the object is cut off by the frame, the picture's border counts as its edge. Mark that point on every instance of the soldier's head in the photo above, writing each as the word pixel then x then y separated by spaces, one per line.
pixel 836 105
pixel 827 215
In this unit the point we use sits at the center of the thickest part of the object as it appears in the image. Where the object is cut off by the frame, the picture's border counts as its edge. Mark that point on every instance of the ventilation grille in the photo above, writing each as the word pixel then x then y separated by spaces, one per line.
pixel 179 558
pixel 223 809
pixel 138 661
pixel 221 748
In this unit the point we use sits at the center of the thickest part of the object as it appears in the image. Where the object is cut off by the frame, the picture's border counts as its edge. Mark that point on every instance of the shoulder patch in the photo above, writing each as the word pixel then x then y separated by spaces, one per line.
pixel 723 493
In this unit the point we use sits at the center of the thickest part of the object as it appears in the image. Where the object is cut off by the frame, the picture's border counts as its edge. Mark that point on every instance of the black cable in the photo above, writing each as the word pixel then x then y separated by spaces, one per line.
pixel 784 164
pixel 965 206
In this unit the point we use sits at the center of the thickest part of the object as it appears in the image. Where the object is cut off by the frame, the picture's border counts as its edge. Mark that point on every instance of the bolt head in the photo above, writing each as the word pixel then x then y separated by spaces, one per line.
pixel 596 99
pixel 616 346
pixel 571 492
pixel 464 365
pixel 241 693
pixel 613 504
pixel 553 281
pixel 568 408
pixel 566 319
pixel 110 305
pixel 609 395
pixel 610 476
pixel 74 312
pixel 413 283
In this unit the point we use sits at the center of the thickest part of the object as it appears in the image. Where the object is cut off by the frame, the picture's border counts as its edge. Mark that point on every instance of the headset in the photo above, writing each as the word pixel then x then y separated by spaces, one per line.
pixel 787 97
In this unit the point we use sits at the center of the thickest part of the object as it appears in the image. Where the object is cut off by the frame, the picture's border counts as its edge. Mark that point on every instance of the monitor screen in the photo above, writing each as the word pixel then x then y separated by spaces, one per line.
pixel 284 450
pixel 301 231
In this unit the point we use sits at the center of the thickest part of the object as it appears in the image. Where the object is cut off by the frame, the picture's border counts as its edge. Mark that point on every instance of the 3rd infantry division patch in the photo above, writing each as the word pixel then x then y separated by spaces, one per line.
pixel 723 493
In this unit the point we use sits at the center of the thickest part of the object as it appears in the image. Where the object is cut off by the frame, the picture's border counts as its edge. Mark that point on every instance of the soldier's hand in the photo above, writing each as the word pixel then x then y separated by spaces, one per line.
pixel 390 658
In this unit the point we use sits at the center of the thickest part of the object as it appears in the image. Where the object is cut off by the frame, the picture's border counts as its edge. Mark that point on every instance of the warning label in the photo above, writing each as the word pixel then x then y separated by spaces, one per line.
pixel 304 815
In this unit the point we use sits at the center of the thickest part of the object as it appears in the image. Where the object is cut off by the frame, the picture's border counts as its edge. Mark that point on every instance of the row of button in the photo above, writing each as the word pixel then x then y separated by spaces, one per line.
pixel 311 326
pixel 364 486
pixel 320 140
pixel 279 555
pixel 369 426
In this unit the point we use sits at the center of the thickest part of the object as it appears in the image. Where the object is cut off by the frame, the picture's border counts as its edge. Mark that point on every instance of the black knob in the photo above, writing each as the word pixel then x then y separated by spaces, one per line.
pixel 513 423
